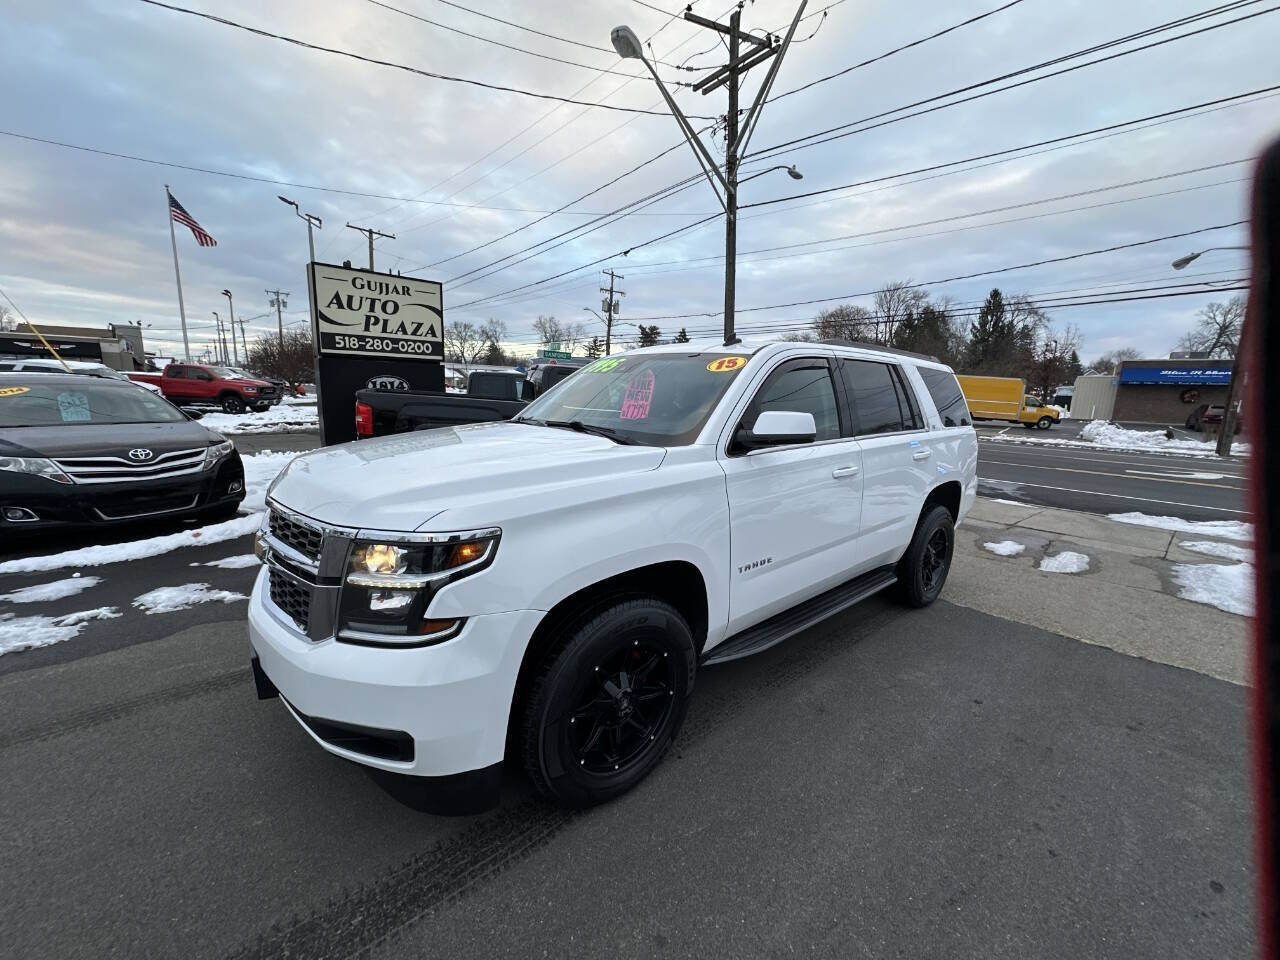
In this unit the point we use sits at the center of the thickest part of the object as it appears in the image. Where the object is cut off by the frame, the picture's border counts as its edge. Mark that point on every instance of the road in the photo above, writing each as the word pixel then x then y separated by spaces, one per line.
pixel 1099 481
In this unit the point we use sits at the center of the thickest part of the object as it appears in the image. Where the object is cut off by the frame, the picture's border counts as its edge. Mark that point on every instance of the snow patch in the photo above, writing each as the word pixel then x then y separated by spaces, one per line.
pixel 1228 529
pixel 259 470
pixel 283 418
pixel 27 633
pixel 173 599
pixel 1005 548
pixel 1103 435
pixel 1211 548
pixel 53 590
pixel 1227 587
pixel 1065 562
pixel 228 563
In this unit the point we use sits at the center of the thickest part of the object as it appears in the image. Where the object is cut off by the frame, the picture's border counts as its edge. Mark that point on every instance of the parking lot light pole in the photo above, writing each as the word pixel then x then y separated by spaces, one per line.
pixel 1230 414
pixel 231 307
pixel 312 221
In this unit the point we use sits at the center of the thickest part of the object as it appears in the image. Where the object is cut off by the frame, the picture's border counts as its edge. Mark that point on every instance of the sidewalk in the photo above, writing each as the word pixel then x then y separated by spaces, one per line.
pixel 1127 599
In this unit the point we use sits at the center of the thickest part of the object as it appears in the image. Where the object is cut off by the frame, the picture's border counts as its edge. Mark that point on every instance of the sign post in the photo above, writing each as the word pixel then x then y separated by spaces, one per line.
pixel 371 329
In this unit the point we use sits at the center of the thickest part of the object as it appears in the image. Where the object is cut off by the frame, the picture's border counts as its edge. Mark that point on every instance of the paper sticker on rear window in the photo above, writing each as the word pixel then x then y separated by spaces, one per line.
pixel 727 364
pixel 638 398
pixel 73 407
pixel 13 391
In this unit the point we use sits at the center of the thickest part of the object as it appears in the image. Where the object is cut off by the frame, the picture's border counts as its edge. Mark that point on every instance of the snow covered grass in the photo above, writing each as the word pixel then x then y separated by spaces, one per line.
pixel 1228 529
pixel 240 562
pixel 283 418
pixel 27 633
pixel 1102 435
pixel 1212 548
pixel 259 470
pixel 53 590
pixel 173 599
pixel 1228 587
pixel 1005 548
pixel 1065 562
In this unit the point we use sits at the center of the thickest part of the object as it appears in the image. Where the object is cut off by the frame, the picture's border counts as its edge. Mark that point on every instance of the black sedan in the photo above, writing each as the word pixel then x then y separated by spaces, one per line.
pixel 85 451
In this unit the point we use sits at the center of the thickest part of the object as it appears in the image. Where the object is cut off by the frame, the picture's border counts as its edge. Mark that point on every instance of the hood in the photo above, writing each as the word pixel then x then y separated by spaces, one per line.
pixel 401 482
pixel 103 439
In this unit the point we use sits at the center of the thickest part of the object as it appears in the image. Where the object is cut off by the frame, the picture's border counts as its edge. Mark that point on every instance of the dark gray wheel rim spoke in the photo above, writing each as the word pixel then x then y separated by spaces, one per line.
pixel 624 704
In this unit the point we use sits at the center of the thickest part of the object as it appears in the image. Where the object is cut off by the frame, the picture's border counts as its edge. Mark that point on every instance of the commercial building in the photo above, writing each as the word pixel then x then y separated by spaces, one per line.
pixel 1158 392
pixel 118 345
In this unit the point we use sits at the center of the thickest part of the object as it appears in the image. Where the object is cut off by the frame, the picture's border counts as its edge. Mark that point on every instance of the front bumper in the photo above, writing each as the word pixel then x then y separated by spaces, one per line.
pixel 58 505
pixel 451 701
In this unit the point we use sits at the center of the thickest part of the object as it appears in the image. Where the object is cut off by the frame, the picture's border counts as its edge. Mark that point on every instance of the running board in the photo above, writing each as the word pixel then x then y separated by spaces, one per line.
pixel 790 622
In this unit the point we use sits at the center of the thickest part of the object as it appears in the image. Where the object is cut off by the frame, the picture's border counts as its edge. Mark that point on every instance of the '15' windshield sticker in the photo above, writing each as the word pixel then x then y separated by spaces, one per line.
pixel 605 365
pixel 13 391
pixel 727 364
pixel 73 407
pixel 638 398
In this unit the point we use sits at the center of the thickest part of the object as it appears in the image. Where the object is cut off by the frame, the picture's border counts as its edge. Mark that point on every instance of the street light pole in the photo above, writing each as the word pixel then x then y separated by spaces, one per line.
pixel 312 221
pixel 232 322
pixel 760 49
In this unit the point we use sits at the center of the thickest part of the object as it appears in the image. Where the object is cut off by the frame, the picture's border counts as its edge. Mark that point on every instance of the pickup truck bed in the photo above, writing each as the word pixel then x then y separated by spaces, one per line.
pixel 405 411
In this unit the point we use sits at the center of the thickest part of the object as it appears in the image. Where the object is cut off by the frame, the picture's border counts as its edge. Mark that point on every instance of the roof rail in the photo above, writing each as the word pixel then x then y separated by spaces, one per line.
pixel 836 342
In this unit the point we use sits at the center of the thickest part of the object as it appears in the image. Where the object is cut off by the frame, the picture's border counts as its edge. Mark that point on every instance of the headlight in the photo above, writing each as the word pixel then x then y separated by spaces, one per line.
pixel 216 453
pixel 250 389
pixel 390 581
pixel 38 466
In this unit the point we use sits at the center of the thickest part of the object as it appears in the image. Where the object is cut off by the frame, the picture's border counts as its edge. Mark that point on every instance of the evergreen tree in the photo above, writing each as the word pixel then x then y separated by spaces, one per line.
pixel 682 336
pixel 649 335
pixel 987 332
pixel 594 347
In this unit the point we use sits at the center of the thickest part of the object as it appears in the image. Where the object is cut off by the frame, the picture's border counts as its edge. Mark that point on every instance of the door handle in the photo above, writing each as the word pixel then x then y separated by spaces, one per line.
pixel 841 472
pixel 922 455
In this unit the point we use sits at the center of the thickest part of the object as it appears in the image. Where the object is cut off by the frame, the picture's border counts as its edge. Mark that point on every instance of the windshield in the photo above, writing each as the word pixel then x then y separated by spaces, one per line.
pixel 48 404
pixel 226 373
pixel 662 399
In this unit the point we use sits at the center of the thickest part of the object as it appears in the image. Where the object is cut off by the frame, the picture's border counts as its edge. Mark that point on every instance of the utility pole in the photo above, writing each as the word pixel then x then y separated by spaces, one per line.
pixel 371 233
pixel 758 50
pixel 221 339
pixel 312 221
pixel 279 300
pixel 610 307
pixel 1227 433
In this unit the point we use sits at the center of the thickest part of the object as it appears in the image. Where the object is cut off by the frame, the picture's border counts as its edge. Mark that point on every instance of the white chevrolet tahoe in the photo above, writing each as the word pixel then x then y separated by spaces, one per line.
pixel 547 588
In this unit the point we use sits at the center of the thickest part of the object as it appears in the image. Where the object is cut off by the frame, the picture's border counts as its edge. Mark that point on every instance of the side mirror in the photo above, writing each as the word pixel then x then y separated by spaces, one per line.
pixel 192 413
pixel 527 391
pixel 777 428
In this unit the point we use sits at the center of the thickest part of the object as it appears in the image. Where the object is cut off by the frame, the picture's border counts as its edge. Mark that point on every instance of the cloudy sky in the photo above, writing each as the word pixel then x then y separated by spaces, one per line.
pixel 448 167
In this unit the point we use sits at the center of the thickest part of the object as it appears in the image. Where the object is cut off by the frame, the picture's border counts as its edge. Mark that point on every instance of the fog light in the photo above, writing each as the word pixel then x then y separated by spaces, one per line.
pixel 19 515
pixel 235 486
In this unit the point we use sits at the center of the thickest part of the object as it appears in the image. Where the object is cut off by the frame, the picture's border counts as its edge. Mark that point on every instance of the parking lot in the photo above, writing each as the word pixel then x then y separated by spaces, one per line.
pixel 1010 772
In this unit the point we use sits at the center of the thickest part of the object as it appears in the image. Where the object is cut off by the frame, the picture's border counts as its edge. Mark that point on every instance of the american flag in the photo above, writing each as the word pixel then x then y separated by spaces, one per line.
pixel 180 215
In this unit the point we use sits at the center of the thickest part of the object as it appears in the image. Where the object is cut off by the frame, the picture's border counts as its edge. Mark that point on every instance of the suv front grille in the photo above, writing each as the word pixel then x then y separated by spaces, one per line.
pixel 291 597
pixel 296 535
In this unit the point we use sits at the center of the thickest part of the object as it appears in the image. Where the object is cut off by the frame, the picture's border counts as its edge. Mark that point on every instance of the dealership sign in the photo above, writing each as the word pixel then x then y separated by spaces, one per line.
pixel 1201 376
pixel 365 314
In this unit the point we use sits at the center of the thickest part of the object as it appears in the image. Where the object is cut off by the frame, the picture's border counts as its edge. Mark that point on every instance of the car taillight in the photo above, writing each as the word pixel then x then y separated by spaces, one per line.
pixel 364 420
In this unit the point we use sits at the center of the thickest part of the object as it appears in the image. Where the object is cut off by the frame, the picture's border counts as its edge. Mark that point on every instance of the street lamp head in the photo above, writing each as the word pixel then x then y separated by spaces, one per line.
pixel 1184 261
pixel 793 173
pixel 626 42
pixel 227 294
pixel 287 200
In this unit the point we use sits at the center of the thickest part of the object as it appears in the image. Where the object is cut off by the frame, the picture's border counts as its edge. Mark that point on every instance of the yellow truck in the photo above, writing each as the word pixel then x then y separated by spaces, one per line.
pixel 1005 398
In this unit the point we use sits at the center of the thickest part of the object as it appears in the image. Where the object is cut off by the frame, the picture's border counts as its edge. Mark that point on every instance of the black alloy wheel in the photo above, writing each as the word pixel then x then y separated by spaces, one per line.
pixel 606 700
pixel 232 403
pixel 933 562
pixel 923 569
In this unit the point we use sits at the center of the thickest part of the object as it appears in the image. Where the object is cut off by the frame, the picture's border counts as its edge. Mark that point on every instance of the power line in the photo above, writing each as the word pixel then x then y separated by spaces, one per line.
pixel 841 130
pixel 967 276
pixel 400 66
pixel 549 36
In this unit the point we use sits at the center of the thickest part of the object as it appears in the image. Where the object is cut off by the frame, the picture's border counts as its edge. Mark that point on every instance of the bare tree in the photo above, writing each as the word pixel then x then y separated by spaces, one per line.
pixel 464 342
pixel 291 360
pixel 1217 331
pixel 6 319
pixel 1110 362
pixel 894 303
pixel 848 321
pixel 1054 360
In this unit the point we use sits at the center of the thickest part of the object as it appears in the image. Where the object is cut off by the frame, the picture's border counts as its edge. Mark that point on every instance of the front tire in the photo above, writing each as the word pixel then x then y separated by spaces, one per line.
pixel 232 404
pixel 1044 423
pixel 923 569
pixel 607 701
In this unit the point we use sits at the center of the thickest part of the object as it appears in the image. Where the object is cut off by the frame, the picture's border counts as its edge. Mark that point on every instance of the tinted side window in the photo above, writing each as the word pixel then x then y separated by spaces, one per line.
pixel 172 371
pixel 804 386
pixel 873 396
pixel 947 397
pixel 911 417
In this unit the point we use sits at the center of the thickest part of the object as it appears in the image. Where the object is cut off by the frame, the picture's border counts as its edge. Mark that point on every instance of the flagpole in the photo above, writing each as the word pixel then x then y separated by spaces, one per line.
pixel 177 274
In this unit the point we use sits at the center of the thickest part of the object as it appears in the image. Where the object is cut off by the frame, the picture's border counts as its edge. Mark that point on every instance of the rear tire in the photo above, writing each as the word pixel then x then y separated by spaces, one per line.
pixel 232 403
pixel 923 569
pixel 607 701
pixel 1029 426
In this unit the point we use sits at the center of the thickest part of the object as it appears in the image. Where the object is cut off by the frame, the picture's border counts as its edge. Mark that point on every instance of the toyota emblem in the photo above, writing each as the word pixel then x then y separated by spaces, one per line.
pixel 140 454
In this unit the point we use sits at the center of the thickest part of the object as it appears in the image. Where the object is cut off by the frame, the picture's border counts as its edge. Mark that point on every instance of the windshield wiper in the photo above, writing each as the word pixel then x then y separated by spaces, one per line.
pixel 595 431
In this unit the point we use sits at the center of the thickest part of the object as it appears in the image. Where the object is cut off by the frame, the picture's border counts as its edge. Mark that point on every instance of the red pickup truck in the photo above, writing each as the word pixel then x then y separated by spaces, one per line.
pixel 197 383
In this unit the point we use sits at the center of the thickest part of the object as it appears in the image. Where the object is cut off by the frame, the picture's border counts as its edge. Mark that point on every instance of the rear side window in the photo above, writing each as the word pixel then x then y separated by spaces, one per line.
pixel 802 386
pixel 873 395
pixel 911 418
pixel 178 372
pixel 947 397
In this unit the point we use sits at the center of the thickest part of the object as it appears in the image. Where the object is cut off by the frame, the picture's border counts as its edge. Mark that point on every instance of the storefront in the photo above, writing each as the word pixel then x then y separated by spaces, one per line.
pixel 1164 392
